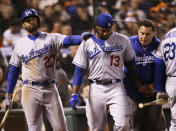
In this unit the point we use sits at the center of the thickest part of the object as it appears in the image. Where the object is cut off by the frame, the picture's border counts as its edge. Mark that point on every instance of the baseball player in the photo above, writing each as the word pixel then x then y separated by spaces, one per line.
pixel 165 62
pixel 35 55
pixel 149 118
pixel 103 56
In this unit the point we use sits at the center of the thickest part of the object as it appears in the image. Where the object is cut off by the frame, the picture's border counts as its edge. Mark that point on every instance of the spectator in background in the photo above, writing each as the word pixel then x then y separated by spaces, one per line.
pixel 130 25
pixel 44 3
pixel 103 8
pixel 56 27
pixel 1 75
pixel 134 6
pixel 81 22
pixel 17 100
pixel 84 92
pixel 65 54
pixel 62 83
pixel 60 10
pixel 49 16
pixel 90 8
pixel 6 15
pixel 121 14
pixel 11 36
pixel 33 4
pixel 153 15
pixel 44 27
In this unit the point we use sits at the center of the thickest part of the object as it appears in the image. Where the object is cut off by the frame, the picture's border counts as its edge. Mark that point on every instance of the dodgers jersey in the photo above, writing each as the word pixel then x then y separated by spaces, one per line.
pixel 37 56
pixel 104 62
pixel 145 62
pixel 166 52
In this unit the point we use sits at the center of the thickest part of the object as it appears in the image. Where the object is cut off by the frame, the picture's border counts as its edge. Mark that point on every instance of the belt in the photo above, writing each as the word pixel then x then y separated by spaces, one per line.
pixel 105 82
pixel 170 76
pixel 43 83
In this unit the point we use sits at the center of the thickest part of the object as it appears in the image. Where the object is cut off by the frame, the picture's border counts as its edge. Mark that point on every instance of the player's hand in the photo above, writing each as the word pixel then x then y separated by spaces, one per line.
pixel 74 100
pixel 86 35
pixel 162 95
pixel 8 100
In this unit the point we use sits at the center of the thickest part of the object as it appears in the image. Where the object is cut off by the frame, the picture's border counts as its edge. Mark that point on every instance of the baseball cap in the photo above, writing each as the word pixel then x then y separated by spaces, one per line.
pixel 104 20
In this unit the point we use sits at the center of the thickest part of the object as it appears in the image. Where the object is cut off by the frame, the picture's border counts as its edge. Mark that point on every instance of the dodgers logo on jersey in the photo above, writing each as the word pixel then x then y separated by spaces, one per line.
pixel 92 53
pixel 33 54
pixel 144 59
pixel 113 48
pixel 169 35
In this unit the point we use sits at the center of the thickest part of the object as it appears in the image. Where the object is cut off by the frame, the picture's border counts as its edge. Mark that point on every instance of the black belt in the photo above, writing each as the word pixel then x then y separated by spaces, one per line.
pixel 43 83
pixel 170 76
pixel 105 82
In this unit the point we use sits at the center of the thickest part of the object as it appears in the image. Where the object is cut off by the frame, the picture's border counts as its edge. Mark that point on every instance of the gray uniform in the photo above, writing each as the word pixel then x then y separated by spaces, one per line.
pixel 166 52
pixel 103 66
pixel 37 59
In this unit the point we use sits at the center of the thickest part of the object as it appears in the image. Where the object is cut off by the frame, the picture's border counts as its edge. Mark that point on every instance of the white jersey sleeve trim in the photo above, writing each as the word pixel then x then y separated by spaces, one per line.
pixel 14 64
pixel 79 65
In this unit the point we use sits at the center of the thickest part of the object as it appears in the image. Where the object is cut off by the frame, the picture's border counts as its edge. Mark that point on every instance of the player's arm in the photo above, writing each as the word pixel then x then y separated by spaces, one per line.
pixel 72 40
pixel 77 81
pixel 134 77
pixel 160 78
pixel 76 39
pixel 11 82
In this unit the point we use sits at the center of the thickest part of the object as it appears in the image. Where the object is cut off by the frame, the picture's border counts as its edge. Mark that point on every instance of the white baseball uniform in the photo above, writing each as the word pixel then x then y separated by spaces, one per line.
pixel 167 52
pixel 104 66
pixel 37 59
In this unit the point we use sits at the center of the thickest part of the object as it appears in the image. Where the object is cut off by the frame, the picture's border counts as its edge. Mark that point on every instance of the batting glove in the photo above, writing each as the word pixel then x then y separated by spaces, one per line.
pixel 8 98
pixel 86 35
pixel 74 100
pixel 161 95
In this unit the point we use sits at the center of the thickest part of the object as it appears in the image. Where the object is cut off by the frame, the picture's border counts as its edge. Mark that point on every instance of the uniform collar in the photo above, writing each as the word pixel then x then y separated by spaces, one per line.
pixel 34 37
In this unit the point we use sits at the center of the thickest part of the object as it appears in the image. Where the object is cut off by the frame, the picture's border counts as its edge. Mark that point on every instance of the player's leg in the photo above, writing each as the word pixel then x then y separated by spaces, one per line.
pixel 32 108
pixel 171 91
pixel 119 107
pixel 96 108
pixel 54 110
pixel 137 116
pixel 156 120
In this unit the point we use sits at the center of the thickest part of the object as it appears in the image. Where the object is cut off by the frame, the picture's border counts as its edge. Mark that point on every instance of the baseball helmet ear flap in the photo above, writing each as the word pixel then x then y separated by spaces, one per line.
pixel 28 13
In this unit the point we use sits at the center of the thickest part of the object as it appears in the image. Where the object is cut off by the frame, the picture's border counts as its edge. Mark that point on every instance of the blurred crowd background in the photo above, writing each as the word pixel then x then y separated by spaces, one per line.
pixel 74 17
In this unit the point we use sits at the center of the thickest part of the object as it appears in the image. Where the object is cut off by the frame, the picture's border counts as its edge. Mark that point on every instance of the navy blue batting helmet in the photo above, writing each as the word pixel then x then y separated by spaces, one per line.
pixel 104 20
pixel 28 13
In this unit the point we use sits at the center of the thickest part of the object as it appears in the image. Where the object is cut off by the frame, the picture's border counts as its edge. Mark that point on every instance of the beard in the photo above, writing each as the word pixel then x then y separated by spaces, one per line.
pixel 31 28
pixel 103 37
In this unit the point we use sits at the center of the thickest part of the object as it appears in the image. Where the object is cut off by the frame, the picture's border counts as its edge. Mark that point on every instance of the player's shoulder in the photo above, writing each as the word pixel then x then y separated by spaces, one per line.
pixel 169 35
pixel 44 34
pixel 21 41
pixel 119 38
pixel 7 32
pixel 119 35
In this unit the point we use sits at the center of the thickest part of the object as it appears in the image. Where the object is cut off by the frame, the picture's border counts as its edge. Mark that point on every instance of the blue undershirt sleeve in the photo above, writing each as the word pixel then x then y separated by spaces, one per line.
pixel 72 40
pixel 160 76
pixel 12 78
pixel 78 76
